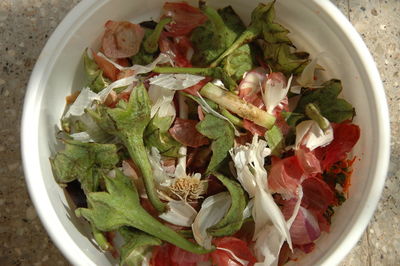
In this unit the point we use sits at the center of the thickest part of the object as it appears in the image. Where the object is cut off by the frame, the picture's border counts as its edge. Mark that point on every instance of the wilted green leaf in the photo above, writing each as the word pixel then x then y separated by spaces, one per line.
pixel 222 135
pixel 120 206
pixel 233 219
pixel 157 135
pixel 325 98
pixel 95 80
pixel 128 122
pixel 83 161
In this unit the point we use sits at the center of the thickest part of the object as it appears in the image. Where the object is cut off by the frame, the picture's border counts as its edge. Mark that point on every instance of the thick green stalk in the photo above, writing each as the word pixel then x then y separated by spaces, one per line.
pixel 130 123
pixel 185 70
pixel 120 206
pixel 138 153
pixel 233 103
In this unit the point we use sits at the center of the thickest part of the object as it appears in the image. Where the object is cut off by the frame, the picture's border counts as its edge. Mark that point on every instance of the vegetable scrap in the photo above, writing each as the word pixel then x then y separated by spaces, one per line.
pixel 199 139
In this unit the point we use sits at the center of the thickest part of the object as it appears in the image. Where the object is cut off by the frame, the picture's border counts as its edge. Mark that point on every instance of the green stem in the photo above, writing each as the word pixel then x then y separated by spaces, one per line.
pixel 247 36
pixel 234 119
pixel 139 156
pixel 233 103
pixel 100 239
pixel 151 43
pixel 313 112
pixel 185 70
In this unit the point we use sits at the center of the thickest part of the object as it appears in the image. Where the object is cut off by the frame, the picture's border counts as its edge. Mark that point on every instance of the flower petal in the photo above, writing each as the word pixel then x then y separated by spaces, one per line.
pixel 212 211
pixel 179 213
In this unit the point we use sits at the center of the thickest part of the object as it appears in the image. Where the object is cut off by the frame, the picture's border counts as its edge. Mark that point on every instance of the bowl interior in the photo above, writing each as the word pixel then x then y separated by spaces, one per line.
pixel 315 28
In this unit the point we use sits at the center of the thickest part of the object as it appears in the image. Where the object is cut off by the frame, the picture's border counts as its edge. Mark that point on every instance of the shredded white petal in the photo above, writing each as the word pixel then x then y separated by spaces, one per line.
pixel 162 101
pixel 183 113
pixel 306 78
pixel 82 136
pixel 309 134
pixel 116 84
pixel 249 163
pixel 274 93
pixel 136 70
pixel 139 69
pixel 270 240
pixel 82 102
pixel 295 89
pixel 179 213
pixel 176 81
pixel 161 177
pixel 219 83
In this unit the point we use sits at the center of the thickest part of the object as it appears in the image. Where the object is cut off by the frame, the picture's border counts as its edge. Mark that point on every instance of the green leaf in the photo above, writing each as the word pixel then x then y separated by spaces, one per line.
pixel 137 245
pixel 128 122
pixel 276 44
pixel 260 15
pixel 274 32
pixel 222 135
pixel 239 62
pixel 120 206
pixel 329 91
pixel 143 57
pixel 281 59
pixel 292 119
pixel 217 34
pixel 325 98
pixel 233 219
pixel 210 39
pixel 157 135
pixel 338 111
pixel 275 139
pixel 95 80
pixel 83 161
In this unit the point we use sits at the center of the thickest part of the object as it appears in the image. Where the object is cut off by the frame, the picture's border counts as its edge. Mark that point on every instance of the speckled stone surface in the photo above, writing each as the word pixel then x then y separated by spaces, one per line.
pixel 25 25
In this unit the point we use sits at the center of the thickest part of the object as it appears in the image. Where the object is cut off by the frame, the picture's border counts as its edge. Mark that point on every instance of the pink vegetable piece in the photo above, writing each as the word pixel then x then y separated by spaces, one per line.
pixel 121 39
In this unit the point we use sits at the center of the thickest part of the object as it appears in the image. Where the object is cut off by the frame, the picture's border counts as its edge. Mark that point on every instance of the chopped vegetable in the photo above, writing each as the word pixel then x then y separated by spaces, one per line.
pixel 236 105
pixel 153 166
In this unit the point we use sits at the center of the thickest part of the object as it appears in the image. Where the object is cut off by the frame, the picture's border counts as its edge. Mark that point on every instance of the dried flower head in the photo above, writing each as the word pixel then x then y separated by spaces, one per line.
pixel 188 187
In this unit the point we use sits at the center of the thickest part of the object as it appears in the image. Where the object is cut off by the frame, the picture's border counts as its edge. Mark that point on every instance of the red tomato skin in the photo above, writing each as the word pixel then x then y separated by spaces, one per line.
pixel 170 255
pixel 239 247
pixel 317 195
pixel 184 131
pixel 346 136
pixel 184 18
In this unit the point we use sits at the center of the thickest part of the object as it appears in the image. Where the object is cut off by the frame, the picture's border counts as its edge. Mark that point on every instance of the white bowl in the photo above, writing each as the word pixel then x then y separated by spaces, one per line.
pixel 317 26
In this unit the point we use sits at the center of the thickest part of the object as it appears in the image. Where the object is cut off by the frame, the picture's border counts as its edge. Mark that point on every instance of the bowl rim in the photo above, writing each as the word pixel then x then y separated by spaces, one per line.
pixel 37 190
